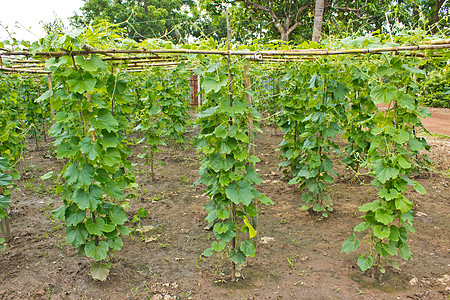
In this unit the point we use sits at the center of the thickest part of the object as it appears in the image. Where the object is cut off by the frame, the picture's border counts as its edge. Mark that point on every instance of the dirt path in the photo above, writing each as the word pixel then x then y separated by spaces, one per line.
pixel 439 122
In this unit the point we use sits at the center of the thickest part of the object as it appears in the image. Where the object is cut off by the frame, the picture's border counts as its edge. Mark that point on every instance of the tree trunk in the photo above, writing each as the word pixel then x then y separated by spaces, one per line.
pixel 318 20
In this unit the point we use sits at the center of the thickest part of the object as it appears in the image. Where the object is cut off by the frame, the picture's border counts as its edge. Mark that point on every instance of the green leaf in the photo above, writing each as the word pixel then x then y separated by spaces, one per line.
pixel 76 235
pixel 361 227
pixel 372 206
pixel 105 120
pixel 240 192
pixel 208 252
pixel 365 262
pixel 401 137
pixel 388 196
pixel 4 164
pixel 212 83
pixel 252 176
pixel 395 233
pixel 228 145
pixel 404 251
pixel 111 157
pixel 115 243
pixel 381 231
pixel 5 179
pixel 96 252
pixel 109 139
pixel 73 215
pixel 59 212
pixel 351 244
pixel 207 112
pixel 248 248
pixel 407 101
pixel 113 190
pixel 100 271
pixel 92 64
pixel 382 93
pixel 47 175
pixel 238 257
pixel 81 178
pixel 384 173
pixel 95 228
pixel 384 216
pixel 123 230
pixel 81 82
pixel 5 201
pixel 403 162
pixel 218 246
pixel 118 215
pixel 403 204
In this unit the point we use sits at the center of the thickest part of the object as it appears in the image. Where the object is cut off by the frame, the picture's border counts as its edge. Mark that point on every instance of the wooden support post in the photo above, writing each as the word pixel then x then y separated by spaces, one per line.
pixel 4 225
pixel 50 87
pixel 251 130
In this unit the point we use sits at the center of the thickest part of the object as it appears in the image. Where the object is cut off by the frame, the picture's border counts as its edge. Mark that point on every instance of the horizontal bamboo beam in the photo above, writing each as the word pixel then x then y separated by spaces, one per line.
pixel 31 71
pixel 443 44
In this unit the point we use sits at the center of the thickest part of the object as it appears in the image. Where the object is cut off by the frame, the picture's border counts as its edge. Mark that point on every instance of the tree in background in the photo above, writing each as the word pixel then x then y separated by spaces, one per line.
pixel 142 19
pixel 293 19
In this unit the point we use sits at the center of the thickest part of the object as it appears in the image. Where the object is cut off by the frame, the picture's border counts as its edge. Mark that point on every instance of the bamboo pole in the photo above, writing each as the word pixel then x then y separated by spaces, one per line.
pixel 428 45
pixel 50 87
pixel 4 224
pixel 11 70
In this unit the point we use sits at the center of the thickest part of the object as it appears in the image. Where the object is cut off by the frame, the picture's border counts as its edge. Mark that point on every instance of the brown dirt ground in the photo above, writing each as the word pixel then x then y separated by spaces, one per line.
pixel 303 261
pixel 439 122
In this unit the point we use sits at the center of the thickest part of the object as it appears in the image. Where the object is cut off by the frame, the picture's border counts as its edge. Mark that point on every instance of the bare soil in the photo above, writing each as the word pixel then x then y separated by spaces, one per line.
pixel 298 255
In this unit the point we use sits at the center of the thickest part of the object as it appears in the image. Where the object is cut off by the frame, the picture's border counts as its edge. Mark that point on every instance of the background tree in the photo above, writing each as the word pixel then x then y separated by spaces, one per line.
pixel 141 18
pixel 293 19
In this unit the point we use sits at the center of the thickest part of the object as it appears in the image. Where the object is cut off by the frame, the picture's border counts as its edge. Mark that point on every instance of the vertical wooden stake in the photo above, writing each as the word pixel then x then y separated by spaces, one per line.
pixel 4 225
pixel 50 87
pixel 233 206
pixel 251 131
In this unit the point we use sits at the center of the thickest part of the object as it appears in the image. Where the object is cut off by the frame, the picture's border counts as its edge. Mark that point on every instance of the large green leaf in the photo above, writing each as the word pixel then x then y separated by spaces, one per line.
pixel 212 83
pixel 404 251
pixel 76 235
pixel 365 262
pixel 100 271
pixel 240 192
pixel 372 206
pixel 248 248
pixel 95 228
pixel 381 231
pixel 384 216
pixel 5 179
pixel 91 64
pixel 351 244
pixel 115 243
pixel 81 82
pixel 238 257
pixel 111 157
pixel 383 93
pixel 117 215
pixel 105 120
pixel 81 177
pixel 383 173
pixel 4 164
pixel 113 190
pixel 98 252
pixel 73 215
pixel 403 204
pixel 5 201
